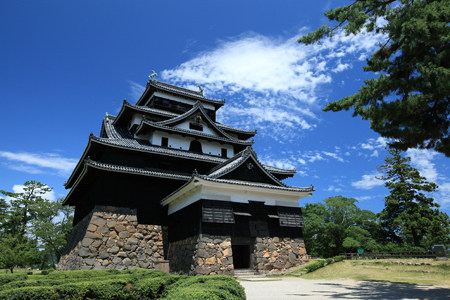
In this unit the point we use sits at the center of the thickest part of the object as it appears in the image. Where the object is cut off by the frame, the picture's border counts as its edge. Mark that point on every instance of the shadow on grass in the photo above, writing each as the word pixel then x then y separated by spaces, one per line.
pixel 389 290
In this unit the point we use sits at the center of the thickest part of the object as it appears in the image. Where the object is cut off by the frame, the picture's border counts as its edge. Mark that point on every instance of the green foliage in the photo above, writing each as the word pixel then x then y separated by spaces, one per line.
pixel 207 287
pixel 15 250
pixel 114 284
pixel 409 100
pixel 338 258
pixel 410 217
pixel 33 230
pixel 315 266
pixel 336 225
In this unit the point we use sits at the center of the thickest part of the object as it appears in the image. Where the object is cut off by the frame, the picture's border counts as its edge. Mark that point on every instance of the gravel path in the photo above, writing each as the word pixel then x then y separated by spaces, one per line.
pixel 297 288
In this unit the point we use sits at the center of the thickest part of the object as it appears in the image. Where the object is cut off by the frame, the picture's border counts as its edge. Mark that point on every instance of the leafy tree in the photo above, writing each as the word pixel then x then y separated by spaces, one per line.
pixel 17 251
pixel 26 206
pixel 336 225
pixel 410 217
pixel 409 100
pixel 52 231
pixel 33 226
pixel 3 212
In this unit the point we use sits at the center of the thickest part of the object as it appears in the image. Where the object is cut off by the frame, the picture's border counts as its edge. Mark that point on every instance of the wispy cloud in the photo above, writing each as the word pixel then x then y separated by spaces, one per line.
pixel 35 163
pixel 275 79
pixel 136 90
pixel 368 181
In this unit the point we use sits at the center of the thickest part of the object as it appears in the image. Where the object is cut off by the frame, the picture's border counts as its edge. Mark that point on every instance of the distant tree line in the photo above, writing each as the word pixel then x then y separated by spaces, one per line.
pixel 33 230
pixel 410 220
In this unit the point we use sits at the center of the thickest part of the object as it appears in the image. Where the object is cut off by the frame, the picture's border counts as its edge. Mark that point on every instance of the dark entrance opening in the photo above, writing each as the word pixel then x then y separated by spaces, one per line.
pixel 241 256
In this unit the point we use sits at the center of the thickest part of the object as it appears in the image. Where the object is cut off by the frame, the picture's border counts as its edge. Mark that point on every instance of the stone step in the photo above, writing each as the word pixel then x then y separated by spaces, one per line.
pixel 244 273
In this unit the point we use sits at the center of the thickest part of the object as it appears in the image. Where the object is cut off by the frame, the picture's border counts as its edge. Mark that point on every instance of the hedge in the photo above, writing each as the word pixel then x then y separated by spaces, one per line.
pixel 322 263
pixel 114 284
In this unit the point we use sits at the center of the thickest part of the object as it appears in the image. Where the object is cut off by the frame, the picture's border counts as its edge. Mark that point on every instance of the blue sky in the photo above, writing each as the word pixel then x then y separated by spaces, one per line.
pixel 64 64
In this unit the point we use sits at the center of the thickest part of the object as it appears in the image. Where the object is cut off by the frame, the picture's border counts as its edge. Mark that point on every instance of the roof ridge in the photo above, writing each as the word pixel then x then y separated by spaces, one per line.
pixel 182 90
pixel 245 154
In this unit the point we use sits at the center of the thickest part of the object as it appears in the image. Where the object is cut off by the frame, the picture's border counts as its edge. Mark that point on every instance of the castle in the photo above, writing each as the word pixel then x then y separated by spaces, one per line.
pixel 165 186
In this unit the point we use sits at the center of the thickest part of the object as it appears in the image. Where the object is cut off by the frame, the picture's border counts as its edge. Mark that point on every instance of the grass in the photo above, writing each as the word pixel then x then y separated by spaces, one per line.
pixel 429 272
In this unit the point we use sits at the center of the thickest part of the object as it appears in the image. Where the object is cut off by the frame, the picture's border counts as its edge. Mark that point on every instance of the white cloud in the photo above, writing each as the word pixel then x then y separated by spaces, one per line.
pixel 332 188
pixel 444 195
pixel 333 155
pixel 278 163
pixel 422 160
pixel 363 198
pixel 34 162
pixel 275 79
pixel 368 181
pixel 372 144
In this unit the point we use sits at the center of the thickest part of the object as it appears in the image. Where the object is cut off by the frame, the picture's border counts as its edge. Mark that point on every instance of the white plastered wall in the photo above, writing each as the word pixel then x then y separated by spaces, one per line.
pixel 240 194
pixel 183 143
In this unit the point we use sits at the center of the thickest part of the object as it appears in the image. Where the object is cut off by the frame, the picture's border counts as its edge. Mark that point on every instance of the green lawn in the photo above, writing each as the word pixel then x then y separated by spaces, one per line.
pixel 416 271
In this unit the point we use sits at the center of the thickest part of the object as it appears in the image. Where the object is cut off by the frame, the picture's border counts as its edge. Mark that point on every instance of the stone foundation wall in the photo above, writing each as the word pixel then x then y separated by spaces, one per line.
pixel 202 255
pixel 273 254
pixel 111 238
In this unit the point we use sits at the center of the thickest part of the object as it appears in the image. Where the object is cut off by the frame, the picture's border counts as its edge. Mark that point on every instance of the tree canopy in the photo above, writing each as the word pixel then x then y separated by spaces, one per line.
pixel 409 100
pixel 337 225
pixel 410 216
pixel 33 230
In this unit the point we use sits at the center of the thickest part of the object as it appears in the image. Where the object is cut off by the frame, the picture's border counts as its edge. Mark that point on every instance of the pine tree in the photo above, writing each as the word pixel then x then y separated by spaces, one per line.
pixel 409 99
pixel 410 217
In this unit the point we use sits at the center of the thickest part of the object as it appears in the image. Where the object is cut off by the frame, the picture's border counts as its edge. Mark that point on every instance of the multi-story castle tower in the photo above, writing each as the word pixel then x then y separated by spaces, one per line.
pixel 167 186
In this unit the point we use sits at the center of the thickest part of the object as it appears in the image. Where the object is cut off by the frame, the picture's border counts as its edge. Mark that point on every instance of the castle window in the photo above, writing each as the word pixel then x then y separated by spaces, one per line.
pixel 164 142
pixel 196 126
pixel 224 152
pixel 195 146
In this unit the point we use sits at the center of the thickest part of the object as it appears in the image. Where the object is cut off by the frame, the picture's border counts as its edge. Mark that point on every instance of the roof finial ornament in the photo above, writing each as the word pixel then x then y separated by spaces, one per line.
pixel 200 89
pixel 152 76
pixel 106 115
pixel 195 172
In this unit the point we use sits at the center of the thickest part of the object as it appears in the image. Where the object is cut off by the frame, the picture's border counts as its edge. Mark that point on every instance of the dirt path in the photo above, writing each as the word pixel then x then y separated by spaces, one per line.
pixel 297 288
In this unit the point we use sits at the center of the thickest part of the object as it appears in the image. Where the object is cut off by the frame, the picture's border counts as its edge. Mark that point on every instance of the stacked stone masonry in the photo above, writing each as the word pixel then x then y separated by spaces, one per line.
pixel 111 238
pixel 202 255
pixel 273 254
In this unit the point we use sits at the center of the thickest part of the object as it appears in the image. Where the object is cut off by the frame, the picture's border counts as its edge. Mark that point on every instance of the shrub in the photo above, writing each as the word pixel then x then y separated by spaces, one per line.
pixel 339 258
pixel 315 266
pixel 330 260
pixel 11 277
pixel 113 284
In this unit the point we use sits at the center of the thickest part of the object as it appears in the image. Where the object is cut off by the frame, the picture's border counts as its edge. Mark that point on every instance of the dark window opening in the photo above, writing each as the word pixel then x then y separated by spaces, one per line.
pixel 164 142
pixel 196 126
pixel 195 146
pixel 217 212
pixel 224 152
pixel 290 217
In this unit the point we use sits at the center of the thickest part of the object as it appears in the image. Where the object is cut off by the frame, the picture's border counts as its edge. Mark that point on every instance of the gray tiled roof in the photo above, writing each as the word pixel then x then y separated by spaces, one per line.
pixel 140 171
pixel 183 91
pixel 132 170
pixel 237 161
pixel 194 133
pixel 148 110
pixel 259 184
